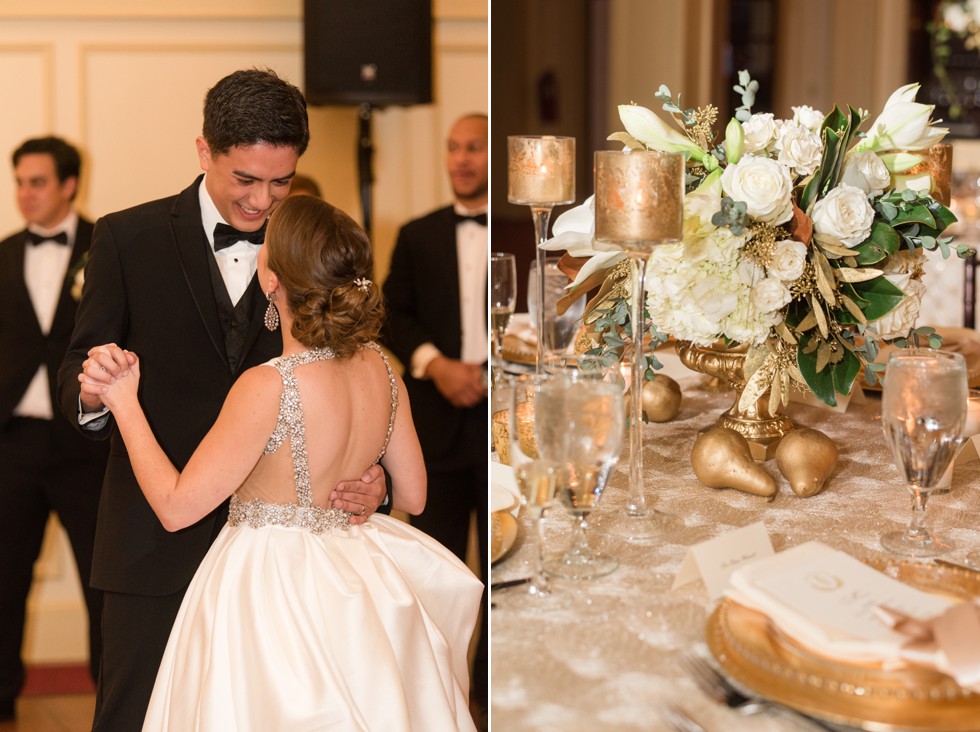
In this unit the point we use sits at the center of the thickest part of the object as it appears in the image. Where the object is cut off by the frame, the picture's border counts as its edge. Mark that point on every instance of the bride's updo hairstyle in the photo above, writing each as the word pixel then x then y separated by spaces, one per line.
pixel 322 258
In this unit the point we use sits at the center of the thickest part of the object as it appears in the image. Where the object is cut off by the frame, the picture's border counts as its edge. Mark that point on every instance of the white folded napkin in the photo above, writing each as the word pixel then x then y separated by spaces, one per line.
pixel 825 600
pixel 504 493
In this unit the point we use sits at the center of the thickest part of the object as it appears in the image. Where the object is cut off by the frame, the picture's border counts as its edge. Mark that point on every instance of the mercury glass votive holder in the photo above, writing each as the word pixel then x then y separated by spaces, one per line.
pixel 540 170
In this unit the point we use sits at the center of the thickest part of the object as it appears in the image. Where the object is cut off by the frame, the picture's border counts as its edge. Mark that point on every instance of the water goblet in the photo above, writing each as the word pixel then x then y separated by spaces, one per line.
pixel 559 328
pixel 580 426
pixel 503 297
pixel 923 412
pixel 537 479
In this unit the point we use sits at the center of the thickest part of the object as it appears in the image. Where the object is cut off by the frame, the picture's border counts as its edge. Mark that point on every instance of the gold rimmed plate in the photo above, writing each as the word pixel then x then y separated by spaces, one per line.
pixel 503 535
pixel 754 653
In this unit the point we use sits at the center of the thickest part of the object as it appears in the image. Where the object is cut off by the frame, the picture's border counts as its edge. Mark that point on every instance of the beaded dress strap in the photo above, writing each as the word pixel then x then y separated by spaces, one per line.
pixel 394 399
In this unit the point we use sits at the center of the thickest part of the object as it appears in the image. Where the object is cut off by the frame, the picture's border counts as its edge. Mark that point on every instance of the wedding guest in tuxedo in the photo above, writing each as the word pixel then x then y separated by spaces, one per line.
pixel 174 281
pixel 45 465
pixel 436 293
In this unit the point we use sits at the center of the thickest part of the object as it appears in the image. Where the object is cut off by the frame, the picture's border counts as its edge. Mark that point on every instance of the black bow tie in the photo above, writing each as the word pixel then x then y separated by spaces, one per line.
pixel 61 238
pixel 480 219
pixel 225 236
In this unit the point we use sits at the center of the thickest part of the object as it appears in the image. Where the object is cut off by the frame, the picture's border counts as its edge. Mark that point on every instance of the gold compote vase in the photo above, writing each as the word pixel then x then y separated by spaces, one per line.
pixel 756 423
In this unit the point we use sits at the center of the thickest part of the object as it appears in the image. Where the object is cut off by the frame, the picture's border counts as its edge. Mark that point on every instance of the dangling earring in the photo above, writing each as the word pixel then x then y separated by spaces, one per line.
pixel 271 314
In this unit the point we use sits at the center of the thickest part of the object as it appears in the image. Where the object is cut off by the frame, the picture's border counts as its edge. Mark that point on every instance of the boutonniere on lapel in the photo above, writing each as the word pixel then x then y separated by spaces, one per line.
pixel 76 274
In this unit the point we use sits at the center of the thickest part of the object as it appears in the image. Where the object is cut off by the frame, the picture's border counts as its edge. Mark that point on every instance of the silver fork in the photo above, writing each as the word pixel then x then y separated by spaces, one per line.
pixel 678 720
pixel 715 686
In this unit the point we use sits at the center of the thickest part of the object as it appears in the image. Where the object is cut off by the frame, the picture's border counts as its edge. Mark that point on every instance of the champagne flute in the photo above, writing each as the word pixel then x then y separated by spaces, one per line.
pixel 503 297
pixel 581 423
pixel 537 479
pixel 923 412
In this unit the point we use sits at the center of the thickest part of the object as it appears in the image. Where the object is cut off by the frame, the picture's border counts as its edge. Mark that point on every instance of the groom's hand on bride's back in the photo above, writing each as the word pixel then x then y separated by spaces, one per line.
pixel 361 498
pixel 103 366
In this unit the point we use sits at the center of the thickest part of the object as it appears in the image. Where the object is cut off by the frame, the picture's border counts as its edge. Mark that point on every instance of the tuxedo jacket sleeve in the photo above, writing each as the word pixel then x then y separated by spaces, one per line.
pixel 148 289
pixel 422 306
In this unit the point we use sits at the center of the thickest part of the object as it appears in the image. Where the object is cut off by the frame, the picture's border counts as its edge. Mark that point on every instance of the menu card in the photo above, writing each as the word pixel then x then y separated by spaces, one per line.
pixel 824 599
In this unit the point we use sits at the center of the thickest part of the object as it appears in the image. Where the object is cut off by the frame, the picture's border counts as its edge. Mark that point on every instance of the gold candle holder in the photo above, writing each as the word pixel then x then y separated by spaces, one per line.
pixel 540 170
pixel 540 174
pixel 941 168
pixel 639 198
pixel 639 204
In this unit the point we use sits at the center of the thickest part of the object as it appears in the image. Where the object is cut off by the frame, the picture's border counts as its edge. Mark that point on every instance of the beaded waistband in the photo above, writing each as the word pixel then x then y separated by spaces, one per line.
pixel 256 514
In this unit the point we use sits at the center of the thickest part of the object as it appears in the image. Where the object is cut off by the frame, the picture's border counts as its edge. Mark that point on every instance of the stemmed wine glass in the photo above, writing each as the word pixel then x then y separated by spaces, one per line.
pixel 541 175
pixel 580 426
pixel 923 412
pixel 639 204
pixel 537 479
pixel 503 297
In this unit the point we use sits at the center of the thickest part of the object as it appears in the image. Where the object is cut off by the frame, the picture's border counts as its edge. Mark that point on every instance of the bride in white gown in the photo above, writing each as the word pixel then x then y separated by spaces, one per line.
pixel 296 619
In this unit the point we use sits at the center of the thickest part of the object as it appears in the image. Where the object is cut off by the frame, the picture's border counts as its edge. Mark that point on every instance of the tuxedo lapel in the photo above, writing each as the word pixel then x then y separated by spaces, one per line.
pixel 67 304
pixel 192 251
pixel 20 296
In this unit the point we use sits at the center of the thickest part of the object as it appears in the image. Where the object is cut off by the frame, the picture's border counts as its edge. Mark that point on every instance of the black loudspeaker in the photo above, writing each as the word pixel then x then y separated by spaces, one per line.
pixel 375 52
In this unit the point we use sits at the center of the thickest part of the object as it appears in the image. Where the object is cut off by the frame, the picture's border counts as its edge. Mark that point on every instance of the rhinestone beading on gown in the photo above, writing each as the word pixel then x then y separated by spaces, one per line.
pixel 302 514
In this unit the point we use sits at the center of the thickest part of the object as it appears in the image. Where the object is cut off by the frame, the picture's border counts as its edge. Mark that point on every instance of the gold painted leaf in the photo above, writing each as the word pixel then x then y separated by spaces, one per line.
pixel 821 317
pixel 825 278
pixel 857 274
pixel 853 309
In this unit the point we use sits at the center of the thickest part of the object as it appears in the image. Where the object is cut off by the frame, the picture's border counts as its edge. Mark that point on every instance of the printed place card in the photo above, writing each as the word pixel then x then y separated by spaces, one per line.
pixel 715 560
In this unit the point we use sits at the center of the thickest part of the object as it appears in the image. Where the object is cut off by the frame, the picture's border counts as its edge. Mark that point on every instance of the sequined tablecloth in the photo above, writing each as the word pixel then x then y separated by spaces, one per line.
pixel 611 661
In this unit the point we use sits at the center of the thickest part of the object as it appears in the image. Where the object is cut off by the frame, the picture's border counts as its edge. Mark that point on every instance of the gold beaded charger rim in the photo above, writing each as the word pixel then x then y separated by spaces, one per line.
pixel 750 650
pixel 958 340
pixel 503 535
pixel 517 350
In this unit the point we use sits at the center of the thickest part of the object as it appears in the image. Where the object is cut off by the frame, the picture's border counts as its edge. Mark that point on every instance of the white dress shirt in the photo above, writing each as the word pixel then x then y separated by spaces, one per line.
pixel 236 263
pixel 45 266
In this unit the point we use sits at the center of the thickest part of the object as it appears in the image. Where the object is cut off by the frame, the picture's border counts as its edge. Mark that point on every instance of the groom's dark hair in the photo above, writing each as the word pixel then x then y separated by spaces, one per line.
pixel 249 107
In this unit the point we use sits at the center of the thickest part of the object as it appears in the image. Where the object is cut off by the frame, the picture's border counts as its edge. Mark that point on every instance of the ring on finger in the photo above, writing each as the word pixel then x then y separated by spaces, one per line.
pixel 363 509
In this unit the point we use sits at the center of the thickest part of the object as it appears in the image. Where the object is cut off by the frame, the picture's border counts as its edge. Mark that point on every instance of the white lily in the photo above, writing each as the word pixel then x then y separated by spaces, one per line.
pixel 656 134
pixel 574 232
pixel 903 124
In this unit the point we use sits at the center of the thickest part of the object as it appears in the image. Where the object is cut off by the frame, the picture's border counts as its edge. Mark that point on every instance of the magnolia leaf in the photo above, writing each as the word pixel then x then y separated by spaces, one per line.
pixel 821 317
pixel 821 383
pixel 626 139
pixel 853 309
pixel 916 213
pixel 794 373
pixel 883 242
pixel 825 279
pixel 845 371
pixel 876 297
pixel 857 274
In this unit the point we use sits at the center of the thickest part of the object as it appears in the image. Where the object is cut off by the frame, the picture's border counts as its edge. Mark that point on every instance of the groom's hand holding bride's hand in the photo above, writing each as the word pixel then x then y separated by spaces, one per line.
pixel 121 394
pixel 103 366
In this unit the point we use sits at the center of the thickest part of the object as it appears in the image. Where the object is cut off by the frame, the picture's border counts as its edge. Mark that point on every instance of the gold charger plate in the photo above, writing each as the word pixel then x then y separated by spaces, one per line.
pixel 517 350
pixel 958 340
pixel 503 534
pixel 753 652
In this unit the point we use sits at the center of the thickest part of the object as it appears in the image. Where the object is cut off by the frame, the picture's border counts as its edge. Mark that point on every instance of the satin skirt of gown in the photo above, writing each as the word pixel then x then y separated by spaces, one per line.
pixel 283 629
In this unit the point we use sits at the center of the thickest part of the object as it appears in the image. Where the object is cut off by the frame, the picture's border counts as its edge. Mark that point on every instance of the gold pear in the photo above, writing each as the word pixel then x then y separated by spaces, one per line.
pixel 661 398
pixel 806 458
pixel 721 458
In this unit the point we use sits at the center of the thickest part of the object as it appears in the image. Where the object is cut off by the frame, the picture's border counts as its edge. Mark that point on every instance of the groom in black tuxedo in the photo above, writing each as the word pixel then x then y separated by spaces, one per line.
pixel 45 465
pixel 436 296
pixel 174 281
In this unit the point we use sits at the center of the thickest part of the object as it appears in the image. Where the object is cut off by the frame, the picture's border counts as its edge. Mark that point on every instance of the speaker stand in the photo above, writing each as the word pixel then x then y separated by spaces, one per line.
pixel 365 153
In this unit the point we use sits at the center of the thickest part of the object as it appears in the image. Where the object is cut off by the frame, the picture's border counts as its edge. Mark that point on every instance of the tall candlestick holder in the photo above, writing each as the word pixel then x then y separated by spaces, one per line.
pixel 639 204
pixel 540 174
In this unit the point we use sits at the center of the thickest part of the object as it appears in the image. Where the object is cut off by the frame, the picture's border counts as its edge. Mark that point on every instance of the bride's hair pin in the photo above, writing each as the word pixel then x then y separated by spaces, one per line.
pixel 363 283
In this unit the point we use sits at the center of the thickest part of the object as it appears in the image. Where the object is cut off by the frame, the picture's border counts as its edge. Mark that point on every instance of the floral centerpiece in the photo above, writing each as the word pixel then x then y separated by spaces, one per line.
pixel 797 242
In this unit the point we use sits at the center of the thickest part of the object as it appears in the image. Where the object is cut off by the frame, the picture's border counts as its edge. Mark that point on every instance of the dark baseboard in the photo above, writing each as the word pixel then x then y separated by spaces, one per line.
pixel 43 679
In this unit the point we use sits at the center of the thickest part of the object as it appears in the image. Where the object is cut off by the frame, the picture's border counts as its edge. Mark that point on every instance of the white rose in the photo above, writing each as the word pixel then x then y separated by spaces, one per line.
pixel 903 262
pixel 760 132
pixel 865 170
pixel 799 148
pixel 765 187
pixel 809 117
pixel 770 294
pixel 844 214
pixel 788 260
pixel 898 322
